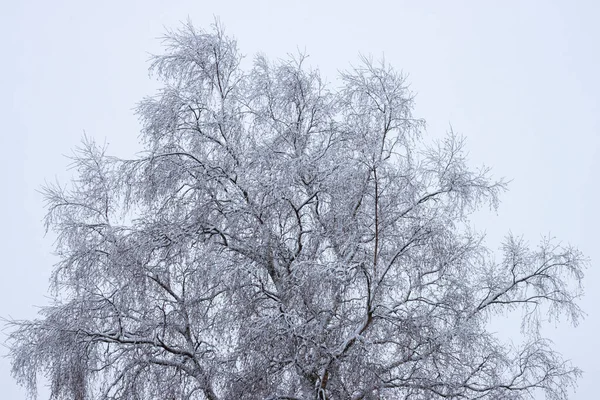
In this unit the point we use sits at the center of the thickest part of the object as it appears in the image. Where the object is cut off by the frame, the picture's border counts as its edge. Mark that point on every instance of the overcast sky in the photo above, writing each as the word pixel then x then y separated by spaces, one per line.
pixel 520 79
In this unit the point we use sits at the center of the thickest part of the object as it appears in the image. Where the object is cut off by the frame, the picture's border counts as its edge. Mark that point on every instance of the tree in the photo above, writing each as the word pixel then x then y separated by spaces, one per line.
pixel 282 239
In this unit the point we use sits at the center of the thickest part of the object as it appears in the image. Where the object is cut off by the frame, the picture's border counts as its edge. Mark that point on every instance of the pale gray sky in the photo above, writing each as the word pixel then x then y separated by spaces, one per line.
pixel 518 78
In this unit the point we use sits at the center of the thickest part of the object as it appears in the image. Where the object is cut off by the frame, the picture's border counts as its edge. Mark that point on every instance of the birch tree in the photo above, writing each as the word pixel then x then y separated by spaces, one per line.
pixel 282 238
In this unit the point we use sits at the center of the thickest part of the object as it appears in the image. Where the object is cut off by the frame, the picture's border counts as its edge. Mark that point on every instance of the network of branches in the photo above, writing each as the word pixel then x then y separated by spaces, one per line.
pixel 282 238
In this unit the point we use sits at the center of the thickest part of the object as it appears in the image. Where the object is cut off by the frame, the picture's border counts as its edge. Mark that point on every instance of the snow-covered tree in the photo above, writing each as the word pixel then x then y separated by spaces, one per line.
pixel 280 238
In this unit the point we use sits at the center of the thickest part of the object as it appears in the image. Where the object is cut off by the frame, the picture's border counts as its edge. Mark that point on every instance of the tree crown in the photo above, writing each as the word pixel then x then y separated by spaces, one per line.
pixel 282 239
